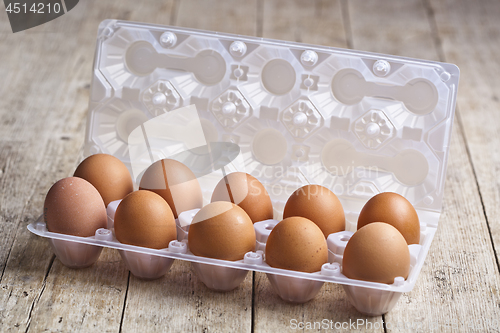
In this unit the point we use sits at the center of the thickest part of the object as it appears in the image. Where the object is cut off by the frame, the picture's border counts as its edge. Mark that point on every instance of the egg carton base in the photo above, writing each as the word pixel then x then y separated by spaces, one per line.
pixel 369 298
pixel 252 261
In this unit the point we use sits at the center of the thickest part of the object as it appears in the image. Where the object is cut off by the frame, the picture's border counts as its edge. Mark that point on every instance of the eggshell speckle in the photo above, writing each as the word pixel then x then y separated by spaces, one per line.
pixel 298 244
pixel 74 207
pixel 108 175
pixel 318 204
pixel 247 192
pixel 221 230
pixel 143 218
pixel 175 183
pixel 394 209
pixel 378 253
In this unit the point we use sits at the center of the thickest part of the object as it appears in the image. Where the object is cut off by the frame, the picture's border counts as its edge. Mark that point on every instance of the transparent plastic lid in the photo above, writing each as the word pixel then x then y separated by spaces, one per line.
pixel 357 123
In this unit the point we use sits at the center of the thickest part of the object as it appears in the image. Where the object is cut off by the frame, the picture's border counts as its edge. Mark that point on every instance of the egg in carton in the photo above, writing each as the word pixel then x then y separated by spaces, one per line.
pixel 354 122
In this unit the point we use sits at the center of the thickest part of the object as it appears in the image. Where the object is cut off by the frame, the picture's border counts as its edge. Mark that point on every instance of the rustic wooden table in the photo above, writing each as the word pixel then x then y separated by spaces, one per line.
pixel 44 90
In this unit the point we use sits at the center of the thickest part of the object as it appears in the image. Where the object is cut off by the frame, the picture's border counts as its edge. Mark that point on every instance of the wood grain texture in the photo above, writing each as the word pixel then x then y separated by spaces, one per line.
pixel 460 266
pixel 44 95
pixel 301 21
pixel 314 22
pixel 43 136
pixel 87 300
pixel 469 33
pixel 330 307
pixel 41 132
pixel 459 283
pixel 232 16
pixel 392 27
pixel 179 302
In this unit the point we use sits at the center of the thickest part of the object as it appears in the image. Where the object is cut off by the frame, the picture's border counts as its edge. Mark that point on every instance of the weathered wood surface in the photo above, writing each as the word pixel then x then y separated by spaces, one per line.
pixel 459 283
pixel 470 36
pixel 44 93
pixel 320 23
pixel 179 302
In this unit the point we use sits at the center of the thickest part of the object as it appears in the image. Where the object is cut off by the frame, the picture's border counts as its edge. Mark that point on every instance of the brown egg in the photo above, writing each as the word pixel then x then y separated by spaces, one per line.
pixel 74 207
pixel 318 204
pixel 378 253
pixel 247 192
pixel 143 218
pixel 175 183
pixel 221 230
pixel 108 175
pixel 298 244
pixel 394 209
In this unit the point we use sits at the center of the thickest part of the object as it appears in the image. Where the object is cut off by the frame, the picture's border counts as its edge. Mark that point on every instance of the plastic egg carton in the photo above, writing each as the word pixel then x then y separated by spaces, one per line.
pixel 355 122
pixel 221 275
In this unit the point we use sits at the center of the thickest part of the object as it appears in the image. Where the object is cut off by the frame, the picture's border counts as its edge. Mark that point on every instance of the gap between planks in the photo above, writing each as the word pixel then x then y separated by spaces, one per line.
pixel 442 57
pixel 42 289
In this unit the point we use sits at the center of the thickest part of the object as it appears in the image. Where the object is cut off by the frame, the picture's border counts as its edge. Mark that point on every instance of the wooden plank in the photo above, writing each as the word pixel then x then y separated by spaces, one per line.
pixel 459 282
pixel 9 213
pixel 46 120
pixel 321 23
pixel 89 299
pixel 469 33
pixel 314 22
pixel 179 302
pixel 392 27
pixel 23 280
pixel 33 116
pixel 29 296
pixel 233 16
pixel 329 310
pixel 43 108
pixel 460 277
pixel 23 276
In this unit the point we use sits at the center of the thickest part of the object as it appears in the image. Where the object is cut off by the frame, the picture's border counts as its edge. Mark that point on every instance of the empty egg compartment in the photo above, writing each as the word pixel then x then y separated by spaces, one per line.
pixel 355 122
